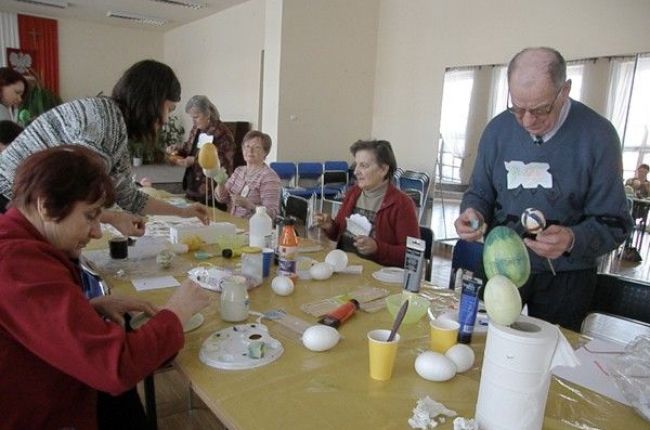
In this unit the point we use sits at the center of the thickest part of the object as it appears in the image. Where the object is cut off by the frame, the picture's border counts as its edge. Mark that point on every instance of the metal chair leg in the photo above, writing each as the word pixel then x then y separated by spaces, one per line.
pixel 150 402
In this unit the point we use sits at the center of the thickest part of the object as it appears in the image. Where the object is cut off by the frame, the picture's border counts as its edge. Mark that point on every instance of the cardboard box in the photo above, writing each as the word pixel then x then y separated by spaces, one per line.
pixel 207 233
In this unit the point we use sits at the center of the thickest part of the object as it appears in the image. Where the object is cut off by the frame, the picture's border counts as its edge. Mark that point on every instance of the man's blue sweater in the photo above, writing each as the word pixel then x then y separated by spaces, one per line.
pixel 578 183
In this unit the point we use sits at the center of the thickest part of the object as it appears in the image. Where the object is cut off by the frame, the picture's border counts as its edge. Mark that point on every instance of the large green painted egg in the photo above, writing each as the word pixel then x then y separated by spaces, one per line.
pixel 504 253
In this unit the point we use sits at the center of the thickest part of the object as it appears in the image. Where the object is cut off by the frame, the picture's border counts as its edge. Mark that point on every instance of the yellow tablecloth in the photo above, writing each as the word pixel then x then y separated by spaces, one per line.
pixel 332 390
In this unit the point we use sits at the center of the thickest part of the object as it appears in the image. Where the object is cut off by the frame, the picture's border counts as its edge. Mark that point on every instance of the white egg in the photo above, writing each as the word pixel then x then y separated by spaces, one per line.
pixel 462 356
pixel 502 300
pixel 434 366
pixel 282 285
pixel 337 259
pixel 321 271
pixel 320 338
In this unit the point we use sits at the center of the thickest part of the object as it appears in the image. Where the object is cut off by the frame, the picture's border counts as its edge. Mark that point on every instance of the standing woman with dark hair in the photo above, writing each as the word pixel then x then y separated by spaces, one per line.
pixel 13 89
pixel 139 105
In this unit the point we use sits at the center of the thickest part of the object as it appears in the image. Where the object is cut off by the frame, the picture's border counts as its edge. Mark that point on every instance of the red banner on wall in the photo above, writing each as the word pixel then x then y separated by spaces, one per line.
pixel 41 35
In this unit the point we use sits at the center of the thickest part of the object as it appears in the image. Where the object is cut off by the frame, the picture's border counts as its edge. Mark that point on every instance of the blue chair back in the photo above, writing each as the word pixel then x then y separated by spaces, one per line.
pixel 468 256
pixel 286 170
pixel 309 170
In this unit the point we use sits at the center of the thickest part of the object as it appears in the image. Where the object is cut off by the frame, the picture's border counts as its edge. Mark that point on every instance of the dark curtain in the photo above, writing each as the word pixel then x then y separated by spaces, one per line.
pixel 42 36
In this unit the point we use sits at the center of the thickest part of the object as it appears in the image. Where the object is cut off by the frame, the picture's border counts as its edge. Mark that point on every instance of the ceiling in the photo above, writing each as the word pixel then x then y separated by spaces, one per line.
pixel 96 10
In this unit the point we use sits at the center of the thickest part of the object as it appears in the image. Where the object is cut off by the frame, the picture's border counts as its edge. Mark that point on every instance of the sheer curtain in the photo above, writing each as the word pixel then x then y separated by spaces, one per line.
pixel 620 88
pixel 8 35
pixel 575 71
pixel 456 99
pixel 499 91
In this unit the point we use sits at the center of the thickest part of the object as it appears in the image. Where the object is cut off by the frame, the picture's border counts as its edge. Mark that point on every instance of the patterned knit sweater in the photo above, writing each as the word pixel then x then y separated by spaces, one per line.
pixel 96 123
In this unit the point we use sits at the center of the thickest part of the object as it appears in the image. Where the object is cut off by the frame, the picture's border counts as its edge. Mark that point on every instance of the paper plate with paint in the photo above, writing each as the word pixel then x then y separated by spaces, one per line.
pixel 243 346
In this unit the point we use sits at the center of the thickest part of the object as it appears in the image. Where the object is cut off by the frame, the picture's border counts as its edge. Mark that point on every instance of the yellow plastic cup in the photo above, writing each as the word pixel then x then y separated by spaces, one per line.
pixel 444 334
pixel 382 354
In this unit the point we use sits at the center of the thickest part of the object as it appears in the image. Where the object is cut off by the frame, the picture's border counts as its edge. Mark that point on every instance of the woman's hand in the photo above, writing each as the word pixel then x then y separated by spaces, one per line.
pixel 365 245
pixel 242 201
pixel 114 307
pixel 196 210
pixel 126 223
pixel 188 161
pixel 188 299
pixel 323 221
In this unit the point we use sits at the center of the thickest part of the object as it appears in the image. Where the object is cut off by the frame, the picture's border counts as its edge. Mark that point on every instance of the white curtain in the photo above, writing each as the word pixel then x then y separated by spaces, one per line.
pixel 575 71
pixel 8 35
pixel 620 86
pixel 499 91
pixel 456 98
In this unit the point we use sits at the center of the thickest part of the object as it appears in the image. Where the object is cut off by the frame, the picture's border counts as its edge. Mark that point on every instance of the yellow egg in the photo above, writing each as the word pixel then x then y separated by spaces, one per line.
pixel 502 300
pixel 208 157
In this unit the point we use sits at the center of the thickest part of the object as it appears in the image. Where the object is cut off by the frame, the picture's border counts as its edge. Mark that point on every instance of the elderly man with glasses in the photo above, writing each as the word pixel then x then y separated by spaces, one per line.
pixel 557 155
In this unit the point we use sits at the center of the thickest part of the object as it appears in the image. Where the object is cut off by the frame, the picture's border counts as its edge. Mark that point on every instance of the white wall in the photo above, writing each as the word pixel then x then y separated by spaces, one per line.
pixel 219 56
pixel 326 77
pixel 419 38
pixel 93 56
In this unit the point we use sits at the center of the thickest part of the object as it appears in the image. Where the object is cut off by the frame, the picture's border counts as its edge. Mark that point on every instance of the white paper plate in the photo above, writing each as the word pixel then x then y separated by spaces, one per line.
pixel 480 324
pixel 192 324
pixel 391 275
pixel 228 348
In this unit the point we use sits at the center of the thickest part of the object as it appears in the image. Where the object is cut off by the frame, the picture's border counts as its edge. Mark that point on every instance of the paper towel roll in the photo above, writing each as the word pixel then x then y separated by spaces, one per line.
pixel 516 373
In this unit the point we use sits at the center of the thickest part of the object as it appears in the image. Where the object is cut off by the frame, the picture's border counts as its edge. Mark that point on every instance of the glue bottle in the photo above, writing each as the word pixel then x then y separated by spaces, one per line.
pixel 260 228
pixel 341 314
pixel 288 250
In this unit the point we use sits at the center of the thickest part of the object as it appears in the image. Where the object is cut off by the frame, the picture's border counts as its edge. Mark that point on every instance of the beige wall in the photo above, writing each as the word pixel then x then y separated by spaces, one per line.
pixel 419 38
pixel 326 77
pixel 92 56
pixel 219 56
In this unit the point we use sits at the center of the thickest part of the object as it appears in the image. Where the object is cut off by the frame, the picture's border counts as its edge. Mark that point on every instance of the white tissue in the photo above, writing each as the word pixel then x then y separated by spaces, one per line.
pixel 426 413
pixel 461 423
pixel 358 225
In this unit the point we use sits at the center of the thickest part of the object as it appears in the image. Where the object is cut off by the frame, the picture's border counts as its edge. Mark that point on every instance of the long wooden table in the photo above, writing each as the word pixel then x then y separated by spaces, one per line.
pixel 332 390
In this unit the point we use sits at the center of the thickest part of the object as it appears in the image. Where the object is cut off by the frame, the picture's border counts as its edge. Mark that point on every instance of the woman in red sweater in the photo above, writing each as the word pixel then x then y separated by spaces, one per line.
pixel 389 212
pixel 58 349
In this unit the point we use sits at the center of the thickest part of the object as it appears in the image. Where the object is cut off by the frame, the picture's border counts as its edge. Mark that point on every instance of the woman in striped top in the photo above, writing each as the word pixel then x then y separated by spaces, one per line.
pixel 140 104
pixel 254 184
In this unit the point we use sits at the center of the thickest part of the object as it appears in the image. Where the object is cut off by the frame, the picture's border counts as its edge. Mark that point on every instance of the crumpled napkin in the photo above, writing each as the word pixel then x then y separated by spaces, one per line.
pixel 428 414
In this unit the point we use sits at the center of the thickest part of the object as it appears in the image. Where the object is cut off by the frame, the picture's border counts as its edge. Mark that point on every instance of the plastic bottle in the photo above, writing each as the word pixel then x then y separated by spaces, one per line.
pixel 340 315
pixel 288 250
pixel 468 307
pixel 252 263
pixel 260 228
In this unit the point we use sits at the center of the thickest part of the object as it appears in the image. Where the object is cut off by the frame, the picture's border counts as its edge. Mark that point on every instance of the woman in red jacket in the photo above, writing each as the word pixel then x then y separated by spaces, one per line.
pixel 59 348
pixel 389 212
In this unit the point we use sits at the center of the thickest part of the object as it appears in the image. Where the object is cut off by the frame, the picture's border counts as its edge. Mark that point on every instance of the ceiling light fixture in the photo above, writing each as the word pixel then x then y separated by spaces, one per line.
pixel 134 17
pixel 51 3
pixel 184 3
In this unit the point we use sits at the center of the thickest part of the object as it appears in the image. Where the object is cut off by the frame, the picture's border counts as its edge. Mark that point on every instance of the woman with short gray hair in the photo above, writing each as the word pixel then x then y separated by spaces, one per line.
pixel 207 127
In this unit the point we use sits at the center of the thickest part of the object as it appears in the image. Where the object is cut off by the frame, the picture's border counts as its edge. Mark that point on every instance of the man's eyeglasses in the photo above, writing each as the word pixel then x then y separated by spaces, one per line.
pixel 537 112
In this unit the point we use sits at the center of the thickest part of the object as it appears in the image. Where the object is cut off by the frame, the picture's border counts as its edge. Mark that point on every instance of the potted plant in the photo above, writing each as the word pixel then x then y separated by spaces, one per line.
pixel 170 134
pixel 136 149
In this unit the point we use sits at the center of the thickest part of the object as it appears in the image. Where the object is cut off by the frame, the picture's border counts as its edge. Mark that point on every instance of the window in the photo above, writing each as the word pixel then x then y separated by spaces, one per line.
pixel 574 72
pixel 628 107
pixel 456 96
